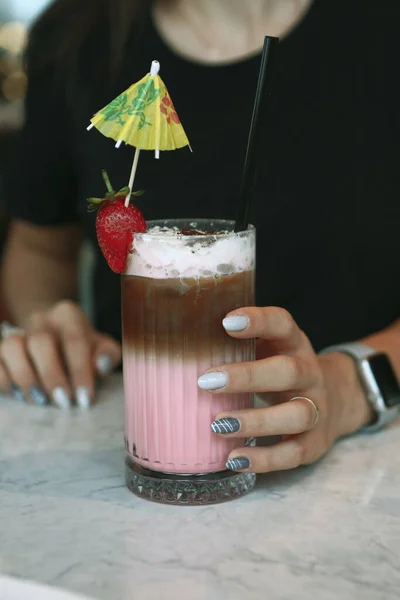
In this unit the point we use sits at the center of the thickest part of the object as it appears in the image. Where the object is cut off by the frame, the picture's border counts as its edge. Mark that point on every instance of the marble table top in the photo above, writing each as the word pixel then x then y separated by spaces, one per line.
pixel 66 519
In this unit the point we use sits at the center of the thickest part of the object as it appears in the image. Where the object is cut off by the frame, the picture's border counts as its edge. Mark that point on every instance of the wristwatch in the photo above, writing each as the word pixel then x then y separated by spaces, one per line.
pixel 378 379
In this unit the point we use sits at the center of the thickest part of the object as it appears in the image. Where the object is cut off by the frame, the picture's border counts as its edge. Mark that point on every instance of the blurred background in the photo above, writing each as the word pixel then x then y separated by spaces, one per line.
pixel 15 19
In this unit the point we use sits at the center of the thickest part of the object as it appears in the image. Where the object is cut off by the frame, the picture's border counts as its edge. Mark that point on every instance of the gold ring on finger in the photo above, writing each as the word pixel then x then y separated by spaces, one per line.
pixel 315 407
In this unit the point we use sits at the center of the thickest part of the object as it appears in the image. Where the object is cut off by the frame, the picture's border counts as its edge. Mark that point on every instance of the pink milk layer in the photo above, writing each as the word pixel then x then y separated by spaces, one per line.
pixel 168 418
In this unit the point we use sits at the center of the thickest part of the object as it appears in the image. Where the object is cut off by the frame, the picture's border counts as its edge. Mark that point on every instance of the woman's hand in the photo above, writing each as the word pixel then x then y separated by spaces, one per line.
pixel 57 358
pixel 327 398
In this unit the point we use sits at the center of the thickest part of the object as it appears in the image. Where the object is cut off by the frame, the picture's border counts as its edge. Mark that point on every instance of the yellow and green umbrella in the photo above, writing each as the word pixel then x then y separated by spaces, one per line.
pixel 144 117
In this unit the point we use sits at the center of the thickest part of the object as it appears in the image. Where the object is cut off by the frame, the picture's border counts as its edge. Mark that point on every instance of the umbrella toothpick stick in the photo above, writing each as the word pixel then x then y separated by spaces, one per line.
pixel 132 177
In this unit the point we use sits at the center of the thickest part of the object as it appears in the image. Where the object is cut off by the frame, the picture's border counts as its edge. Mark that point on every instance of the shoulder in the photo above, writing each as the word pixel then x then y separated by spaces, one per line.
pixel 63 54
pixel 61 33
pixel 79 45
pixel 377 18
pixel 377 28
pixel 358 14
pixel 360 33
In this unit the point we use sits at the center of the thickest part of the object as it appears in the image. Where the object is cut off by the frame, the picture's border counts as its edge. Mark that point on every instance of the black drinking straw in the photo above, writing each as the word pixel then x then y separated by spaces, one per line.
pixel 249 176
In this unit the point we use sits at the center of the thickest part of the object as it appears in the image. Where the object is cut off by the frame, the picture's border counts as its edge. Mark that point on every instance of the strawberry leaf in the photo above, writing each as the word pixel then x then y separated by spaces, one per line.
pixel 123 191
pixel 138 193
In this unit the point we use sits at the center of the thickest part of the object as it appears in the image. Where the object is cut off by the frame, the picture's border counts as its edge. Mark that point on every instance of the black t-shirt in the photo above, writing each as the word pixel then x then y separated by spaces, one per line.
pixel 327 206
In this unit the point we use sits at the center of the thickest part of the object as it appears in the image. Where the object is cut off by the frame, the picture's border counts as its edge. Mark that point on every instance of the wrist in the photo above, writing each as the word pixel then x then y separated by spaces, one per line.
pixel 346 395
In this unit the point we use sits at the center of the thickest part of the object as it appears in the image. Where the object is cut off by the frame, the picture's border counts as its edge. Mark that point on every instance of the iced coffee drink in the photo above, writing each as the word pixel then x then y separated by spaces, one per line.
pixel 181 280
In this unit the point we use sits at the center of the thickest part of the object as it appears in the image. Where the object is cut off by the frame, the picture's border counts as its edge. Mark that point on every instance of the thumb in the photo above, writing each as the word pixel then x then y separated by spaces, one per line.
pixel 106 354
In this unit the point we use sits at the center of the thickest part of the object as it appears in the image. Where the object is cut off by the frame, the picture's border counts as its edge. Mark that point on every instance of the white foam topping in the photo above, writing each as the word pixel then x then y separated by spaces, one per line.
pixel 164 253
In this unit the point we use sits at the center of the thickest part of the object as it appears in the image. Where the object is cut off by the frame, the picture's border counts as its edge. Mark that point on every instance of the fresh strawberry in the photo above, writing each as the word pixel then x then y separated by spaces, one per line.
pixel 116 224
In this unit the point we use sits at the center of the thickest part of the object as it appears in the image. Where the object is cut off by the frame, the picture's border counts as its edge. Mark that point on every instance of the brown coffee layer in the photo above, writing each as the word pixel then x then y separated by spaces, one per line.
pixel 182 318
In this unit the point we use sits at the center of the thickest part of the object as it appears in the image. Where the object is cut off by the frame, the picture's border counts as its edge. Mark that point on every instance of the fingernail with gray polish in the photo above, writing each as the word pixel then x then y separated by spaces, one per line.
pixel 82 397
pixel 61 398
pixel 237 464
pixel 18 394
pixel 104 364
pixel 228 425
pixel 235 323
pixel 38 396
pixel 212 381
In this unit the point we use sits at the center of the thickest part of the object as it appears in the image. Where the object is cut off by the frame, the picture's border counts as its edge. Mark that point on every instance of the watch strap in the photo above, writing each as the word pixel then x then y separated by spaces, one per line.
pixel 356 350
pixel 360 354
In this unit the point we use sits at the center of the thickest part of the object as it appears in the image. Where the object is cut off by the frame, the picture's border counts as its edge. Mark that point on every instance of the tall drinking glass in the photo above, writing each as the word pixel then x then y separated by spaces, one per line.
pixel 183 277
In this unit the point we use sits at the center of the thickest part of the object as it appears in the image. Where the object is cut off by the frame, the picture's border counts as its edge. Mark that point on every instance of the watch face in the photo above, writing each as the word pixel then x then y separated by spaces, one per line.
pixel 385 378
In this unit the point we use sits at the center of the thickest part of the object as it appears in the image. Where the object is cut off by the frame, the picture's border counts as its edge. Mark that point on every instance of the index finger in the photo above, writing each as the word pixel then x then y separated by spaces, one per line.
pixel 77 343
pixel 276 325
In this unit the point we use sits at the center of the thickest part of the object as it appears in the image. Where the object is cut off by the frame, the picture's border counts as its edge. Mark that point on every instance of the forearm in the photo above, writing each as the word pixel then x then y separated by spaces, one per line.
pixel 344 385
pixel 32 284
pixel 348 403
pixel 35 279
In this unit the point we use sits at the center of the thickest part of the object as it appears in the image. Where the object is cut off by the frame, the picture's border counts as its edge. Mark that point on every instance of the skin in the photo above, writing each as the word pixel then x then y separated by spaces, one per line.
pixel 60 349
pixel 289 367
pixel 225 31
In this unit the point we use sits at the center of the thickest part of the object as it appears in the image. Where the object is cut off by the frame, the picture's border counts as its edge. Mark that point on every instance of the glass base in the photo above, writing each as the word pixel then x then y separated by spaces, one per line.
pixel 187 490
